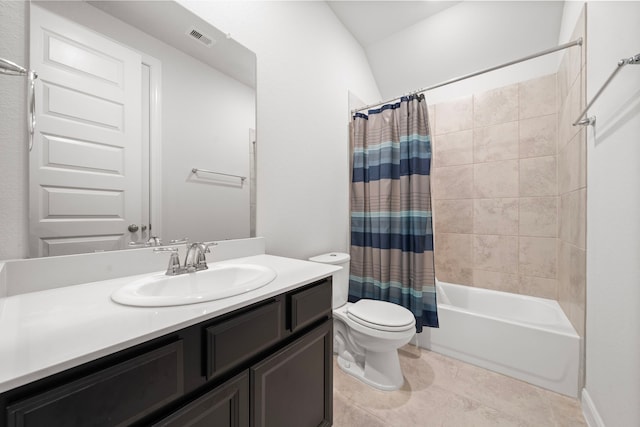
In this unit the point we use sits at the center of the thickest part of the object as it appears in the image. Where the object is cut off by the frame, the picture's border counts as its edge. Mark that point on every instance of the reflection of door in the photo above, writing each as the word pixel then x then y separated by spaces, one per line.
pixel 84 168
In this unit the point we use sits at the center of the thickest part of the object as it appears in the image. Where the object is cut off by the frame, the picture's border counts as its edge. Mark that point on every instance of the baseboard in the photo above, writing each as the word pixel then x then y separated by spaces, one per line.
pixel 590 412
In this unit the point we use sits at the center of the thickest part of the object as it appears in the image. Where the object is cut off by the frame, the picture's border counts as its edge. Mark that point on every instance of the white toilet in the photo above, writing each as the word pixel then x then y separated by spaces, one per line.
pixel 368 333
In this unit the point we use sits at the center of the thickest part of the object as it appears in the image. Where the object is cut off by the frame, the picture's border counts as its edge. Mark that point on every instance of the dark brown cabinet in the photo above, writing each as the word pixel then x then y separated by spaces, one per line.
pixel 286 389
pixel 236 340
pixel 115 396
pixel 265 365
pixel 225 406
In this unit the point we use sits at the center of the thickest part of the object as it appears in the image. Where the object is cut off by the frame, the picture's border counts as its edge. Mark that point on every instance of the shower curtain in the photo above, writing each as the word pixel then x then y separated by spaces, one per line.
pixel 391 228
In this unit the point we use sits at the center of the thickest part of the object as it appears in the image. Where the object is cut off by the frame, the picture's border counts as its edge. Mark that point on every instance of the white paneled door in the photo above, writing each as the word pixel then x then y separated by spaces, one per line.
pixel 85 165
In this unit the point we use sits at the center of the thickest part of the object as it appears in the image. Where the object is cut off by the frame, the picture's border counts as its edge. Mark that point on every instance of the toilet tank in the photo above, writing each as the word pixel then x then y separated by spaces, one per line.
pixel 340 278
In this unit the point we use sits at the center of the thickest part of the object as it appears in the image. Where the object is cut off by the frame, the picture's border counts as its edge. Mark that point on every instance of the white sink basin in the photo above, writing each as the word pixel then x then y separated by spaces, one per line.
pixel 219 281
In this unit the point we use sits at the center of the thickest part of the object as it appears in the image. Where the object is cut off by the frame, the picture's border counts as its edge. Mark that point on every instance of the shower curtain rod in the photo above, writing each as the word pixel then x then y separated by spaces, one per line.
pixel 577 42
pixel 591 120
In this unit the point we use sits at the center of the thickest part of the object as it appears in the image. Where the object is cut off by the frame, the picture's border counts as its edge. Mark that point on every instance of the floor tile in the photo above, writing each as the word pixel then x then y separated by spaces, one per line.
pixel 443 392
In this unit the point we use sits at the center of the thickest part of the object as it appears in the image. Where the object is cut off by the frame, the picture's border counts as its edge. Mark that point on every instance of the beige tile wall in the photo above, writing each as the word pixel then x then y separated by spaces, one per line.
pixel 572 186
pixel 495 188
pixel 509 187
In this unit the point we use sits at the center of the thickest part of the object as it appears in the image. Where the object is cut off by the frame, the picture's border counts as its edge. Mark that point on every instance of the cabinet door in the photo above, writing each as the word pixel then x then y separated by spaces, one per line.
pixel 224 406
pixel 294 387
pixel 116 396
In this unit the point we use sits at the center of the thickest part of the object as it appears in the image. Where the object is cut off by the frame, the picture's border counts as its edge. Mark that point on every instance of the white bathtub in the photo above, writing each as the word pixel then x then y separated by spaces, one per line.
pixel 524 337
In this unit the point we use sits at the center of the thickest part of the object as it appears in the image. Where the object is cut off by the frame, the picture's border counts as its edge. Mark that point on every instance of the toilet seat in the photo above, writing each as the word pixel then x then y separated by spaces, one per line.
pixel 381 316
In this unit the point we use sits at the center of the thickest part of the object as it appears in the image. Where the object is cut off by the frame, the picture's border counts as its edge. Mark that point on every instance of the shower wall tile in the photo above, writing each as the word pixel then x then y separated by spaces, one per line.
pixel 538 136
pixel 496 281
pixel 454 148
pixel 572 62
pixel 454 260
pixel 578 211
pixel 563 276
pixel 577 275
pixel 497 142
pixel 537 256
pixel 538 176
pixel 495 253
pixel 538 216
pixel 496 106
pixel 573 106
pixel 572 163
pixel 572 228
pixel 495 216
pixel 454 116
pixel 537 97
pixel 563 82
pixel 509 188
pixel 453 216
pixel 453 182
pixel 495 179
pixel 564 218
pixel 538 287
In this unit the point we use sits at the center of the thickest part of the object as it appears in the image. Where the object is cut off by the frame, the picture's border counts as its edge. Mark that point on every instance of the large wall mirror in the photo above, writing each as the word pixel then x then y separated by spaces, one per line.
pixel 145 127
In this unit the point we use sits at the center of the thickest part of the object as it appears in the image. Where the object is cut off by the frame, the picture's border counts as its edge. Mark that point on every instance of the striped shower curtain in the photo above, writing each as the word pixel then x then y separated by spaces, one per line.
pixel 391 232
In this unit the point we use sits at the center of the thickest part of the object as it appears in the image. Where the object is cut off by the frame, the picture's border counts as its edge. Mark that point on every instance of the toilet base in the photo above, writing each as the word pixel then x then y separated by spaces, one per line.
pixel 381 370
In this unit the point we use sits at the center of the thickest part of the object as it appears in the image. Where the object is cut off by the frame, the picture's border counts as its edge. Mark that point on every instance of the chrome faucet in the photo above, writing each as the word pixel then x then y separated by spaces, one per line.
pixel 174 267
pixel 153 241
pixel 195 260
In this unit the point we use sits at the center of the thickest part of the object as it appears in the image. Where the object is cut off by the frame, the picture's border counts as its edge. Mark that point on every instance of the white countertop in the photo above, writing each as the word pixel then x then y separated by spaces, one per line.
pixel 46 332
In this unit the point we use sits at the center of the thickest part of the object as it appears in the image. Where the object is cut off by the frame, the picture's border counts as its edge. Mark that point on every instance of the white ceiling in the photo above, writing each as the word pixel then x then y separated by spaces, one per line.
pixel 169 21
pixel 414 44
pixel 372 21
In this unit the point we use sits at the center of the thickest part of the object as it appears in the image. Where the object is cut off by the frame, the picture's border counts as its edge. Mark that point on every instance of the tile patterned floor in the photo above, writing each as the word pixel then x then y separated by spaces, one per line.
pixel 444 392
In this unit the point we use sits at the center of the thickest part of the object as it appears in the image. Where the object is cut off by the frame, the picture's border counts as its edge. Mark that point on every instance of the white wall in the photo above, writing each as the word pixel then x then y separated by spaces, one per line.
pixel 570 14
pixel 13 137
pixel 465 38
pixel 613 212
pixel 206 122
pixel 307 63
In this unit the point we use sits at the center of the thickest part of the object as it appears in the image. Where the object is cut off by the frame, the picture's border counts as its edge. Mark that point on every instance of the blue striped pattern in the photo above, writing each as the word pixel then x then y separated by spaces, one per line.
pixel 392 143
pixel 391 160
pixel 405 230
pixel 403 223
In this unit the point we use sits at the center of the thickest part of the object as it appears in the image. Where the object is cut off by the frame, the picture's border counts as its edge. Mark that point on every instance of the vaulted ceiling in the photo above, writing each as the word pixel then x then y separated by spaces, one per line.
pixel 413 44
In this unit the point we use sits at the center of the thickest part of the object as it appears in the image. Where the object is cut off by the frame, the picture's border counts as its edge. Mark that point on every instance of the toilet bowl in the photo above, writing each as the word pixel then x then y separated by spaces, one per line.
pixel 367 333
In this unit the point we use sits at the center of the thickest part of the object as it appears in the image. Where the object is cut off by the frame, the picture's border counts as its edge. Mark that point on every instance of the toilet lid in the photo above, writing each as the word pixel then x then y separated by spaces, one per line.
pixel 381 315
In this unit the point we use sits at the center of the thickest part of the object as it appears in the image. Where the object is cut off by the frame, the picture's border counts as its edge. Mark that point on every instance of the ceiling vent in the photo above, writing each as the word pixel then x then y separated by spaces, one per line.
pixel 206 40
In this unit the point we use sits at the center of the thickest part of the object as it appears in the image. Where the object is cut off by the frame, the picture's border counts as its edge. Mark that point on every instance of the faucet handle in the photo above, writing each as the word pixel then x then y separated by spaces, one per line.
pixel 174 266
pixel 205 246
pixel 154 241
pixel 201 259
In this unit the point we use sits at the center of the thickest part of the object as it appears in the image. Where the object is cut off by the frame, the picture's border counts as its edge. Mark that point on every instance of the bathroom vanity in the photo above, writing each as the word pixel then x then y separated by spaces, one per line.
pixel 263 358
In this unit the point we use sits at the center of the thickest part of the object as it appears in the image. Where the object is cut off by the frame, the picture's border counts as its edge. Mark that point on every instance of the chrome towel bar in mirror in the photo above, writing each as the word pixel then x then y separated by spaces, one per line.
pixel 10 68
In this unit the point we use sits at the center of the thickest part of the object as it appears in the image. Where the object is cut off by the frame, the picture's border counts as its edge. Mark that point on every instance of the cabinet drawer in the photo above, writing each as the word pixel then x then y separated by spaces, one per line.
pixel 115 396
pixel 238 339
pixel 225 406
pixel 309 305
